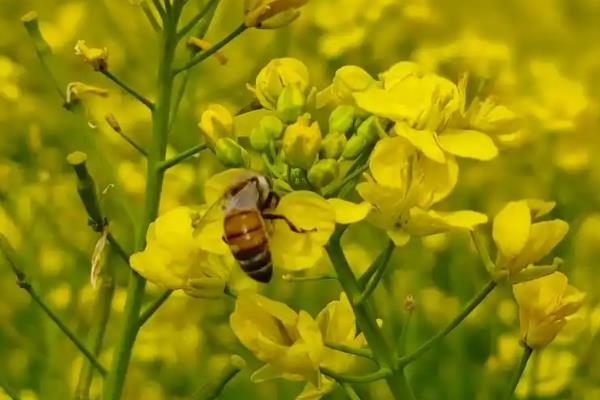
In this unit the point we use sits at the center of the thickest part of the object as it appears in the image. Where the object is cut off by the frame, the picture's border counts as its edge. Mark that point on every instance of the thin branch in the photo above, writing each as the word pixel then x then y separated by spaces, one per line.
pixel 376 273
pixel 312 278
pixel 205 54
pixel 181 157
pixel 196 19
pixel 150 16
pixel 114 124
pixel 213 389
pixel 128 89
pixel 118 248
pixel 382 373
pixel 10 256
pixel 425 347
pixel 352 395
pixel 365 353
pixel 159 8
pixel 519 372
pixel 152 308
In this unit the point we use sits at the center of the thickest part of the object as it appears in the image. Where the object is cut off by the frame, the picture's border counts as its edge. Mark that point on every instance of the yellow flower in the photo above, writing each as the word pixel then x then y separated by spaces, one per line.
pixel 337 325
pixel 428 111
pixel 275 76
pixel 271 13
pixel 174 259
pixel 301 143
pixel 545 305
pixel 403 185
pixel 306 210
pixel 290 343
pixel 96 57
pixel 216 123
pixel 347 81
pixel 520 242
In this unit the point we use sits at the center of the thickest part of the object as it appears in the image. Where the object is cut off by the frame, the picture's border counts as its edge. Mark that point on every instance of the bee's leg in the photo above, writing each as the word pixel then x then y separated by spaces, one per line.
pixel 293 227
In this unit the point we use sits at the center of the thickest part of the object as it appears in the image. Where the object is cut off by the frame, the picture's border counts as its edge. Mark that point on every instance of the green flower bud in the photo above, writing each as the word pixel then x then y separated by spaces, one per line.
pixel 216 123
pixel 341 119
pixel 301 143
pixel 259 139
pixel 272 126
pixel 333 145
pixel 355 145
pixel 290 104
pixel 231 154
pixel 370 129
pixel 323 173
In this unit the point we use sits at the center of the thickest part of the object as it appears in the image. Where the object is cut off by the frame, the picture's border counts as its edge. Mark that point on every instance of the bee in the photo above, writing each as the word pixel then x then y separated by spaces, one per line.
pixel 247 205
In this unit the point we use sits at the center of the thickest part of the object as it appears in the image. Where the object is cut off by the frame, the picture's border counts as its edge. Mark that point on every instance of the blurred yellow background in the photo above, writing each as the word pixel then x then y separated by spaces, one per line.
pixel 540 58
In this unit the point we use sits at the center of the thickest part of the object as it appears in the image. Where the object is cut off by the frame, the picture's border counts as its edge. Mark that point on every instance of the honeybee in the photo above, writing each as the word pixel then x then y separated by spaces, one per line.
pixel 246 206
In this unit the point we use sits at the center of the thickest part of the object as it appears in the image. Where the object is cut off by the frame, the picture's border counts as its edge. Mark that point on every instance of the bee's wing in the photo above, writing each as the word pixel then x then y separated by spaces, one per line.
pixel 213 213
pixel 218 185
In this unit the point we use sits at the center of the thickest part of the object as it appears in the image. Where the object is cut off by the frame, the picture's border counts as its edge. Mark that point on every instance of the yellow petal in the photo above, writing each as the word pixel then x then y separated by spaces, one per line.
pixel 398 236
pixel 511 228
pixel 382 103
pixel 543 237
pixel 423 223
pixel 539 207
pixel 436 180
pixel 424 140
pixel 347 212
pixel 390 162
pixel 308 211
pixel 468 143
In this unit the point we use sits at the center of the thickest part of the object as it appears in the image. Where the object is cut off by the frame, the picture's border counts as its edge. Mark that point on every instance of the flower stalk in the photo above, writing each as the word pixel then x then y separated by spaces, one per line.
pixel 213 389
pixel 127 88
pixel 527 351
pixel 153 307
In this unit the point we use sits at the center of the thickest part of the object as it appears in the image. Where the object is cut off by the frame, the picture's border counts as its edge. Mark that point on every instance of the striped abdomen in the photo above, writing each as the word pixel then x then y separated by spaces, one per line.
pixel 246 236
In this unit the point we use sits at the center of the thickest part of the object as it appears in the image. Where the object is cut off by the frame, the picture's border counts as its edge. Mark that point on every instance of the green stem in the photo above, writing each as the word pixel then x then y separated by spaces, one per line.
pixel 128 89
pixel 101 313
pixel 208 8
pixel 213 389
pixel 150 16
pixel 205 54
pixel 311 278
pixel 381 373
pixel 181 157
pixel 9 392
pixel 483 252
pixel 382 352
pixel 149 312
pixel 365 353
pixel 159 9
pixel 352 395
pixel 202 26
pixel 9 254
pixel 154 182
pixel 376 272
pixel 112 122
pixel 527 351
pixel 425 347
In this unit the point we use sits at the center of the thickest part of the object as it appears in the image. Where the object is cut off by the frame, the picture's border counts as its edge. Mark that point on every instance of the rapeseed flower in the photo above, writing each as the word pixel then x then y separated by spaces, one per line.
pixel 545 306
pixel 402 185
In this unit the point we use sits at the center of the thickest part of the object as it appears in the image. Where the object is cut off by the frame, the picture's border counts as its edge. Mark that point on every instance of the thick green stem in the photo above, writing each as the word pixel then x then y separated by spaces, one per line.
pixel 154 182
pixel 382 351
pixel 519 372
pixel 425 347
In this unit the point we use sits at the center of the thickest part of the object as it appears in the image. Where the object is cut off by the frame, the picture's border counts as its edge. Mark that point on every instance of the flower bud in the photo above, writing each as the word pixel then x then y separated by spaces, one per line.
pixel 370 129
pixel 350 79
pixel 341 119
pixel 272 125
pixel 301 143
pixel 271 14
pixel 323 172
pixel 259 139
pixel 216 123
pixel 298 179
pixel 231 154
pixel 356 144
pixel 333 145
pixel 275 76
pixel 290 104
